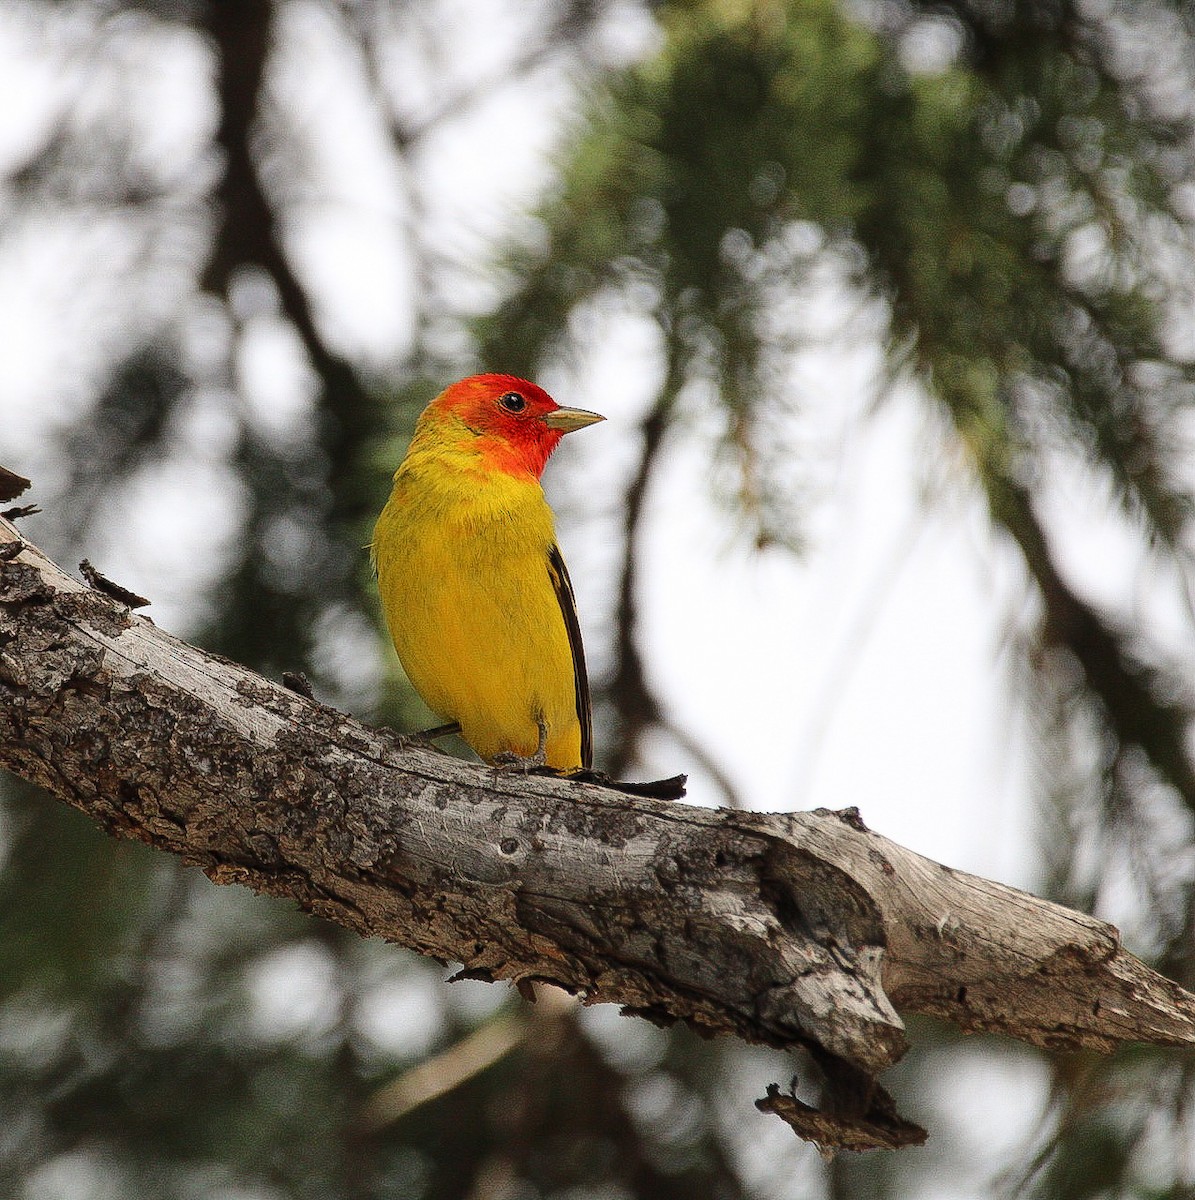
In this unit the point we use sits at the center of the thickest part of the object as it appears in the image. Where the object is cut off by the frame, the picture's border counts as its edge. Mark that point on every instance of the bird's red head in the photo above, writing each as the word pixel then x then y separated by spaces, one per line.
pixel 519 423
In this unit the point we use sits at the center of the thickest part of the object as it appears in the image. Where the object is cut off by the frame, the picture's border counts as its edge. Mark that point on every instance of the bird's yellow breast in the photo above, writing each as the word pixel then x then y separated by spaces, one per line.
pixel 462 563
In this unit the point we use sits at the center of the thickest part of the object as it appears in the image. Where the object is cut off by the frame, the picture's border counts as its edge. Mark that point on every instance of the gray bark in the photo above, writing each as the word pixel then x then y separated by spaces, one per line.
pixel 798 930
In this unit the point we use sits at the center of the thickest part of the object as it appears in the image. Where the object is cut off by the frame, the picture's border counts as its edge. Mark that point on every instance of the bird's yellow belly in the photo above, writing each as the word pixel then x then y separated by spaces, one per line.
pixel 479 632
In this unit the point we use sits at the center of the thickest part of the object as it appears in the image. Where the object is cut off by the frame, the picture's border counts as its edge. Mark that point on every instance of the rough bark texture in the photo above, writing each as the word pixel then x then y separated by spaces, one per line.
pixel 796 930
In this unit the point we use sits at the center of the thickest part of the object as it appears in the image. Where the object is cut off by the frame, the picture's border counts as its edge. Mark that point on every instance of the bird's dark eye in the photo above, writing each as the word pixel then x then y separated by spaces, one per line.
pixel 512 402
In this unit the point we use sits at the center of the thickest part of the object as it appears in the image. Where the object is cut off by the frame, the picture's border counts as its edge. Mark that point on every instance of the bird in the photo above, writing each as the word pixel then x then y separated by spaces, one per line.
pixel 474 589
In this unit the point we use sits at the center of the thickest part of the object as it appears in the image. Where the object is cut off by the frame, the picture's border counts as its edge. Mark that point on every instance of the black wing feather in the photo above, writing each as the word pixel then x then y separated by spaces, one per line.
pixel 562 586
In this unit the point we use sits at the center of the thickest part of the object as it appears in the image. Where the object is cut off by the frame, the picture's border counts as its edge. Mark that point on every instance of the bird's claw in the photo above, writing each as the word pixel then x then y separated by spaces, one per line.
pixel 508 760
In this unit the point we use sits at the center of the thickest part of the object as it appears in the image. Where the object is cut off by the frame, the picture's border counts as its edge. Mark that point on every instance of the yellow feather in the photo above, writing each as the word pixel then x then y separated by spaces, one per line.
pixel 461 551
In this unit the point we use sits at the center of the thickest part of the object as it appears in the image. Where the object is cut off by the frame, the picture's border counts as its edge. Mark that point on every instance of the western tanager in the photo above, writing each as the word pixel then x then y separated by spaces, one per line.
pixel 475 592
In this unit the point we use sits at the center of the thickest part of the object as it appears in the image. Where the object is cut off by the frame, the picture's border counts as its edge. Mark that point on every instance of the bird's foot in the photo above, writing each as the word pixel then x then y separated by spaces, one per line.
pixel 436 731
pixel 425 739
pixel 508 760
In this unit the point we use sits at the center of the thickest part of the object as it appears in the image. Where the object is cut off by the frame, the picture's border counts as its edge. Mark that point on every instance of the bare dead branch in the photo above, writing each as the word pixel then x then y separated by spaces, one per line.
pixel 798 930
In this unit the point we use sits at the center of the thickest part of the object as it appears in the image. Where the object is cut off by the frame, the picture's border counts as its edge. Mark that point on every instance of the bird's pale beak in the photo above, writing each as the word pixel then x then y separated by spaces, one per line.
pixel 568 419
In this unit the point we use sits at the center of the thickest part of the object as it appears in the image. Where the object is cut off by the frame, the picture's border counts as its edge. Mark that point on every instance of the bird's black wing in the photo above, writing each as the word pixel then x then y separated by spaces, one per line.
pixel 562 586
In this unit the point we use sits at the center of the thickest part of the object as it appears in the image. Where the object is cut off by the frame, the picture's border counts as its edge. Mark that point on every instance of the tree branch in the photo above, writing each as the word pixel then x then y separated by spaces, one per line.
pixel 795 930
pixel 249 233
